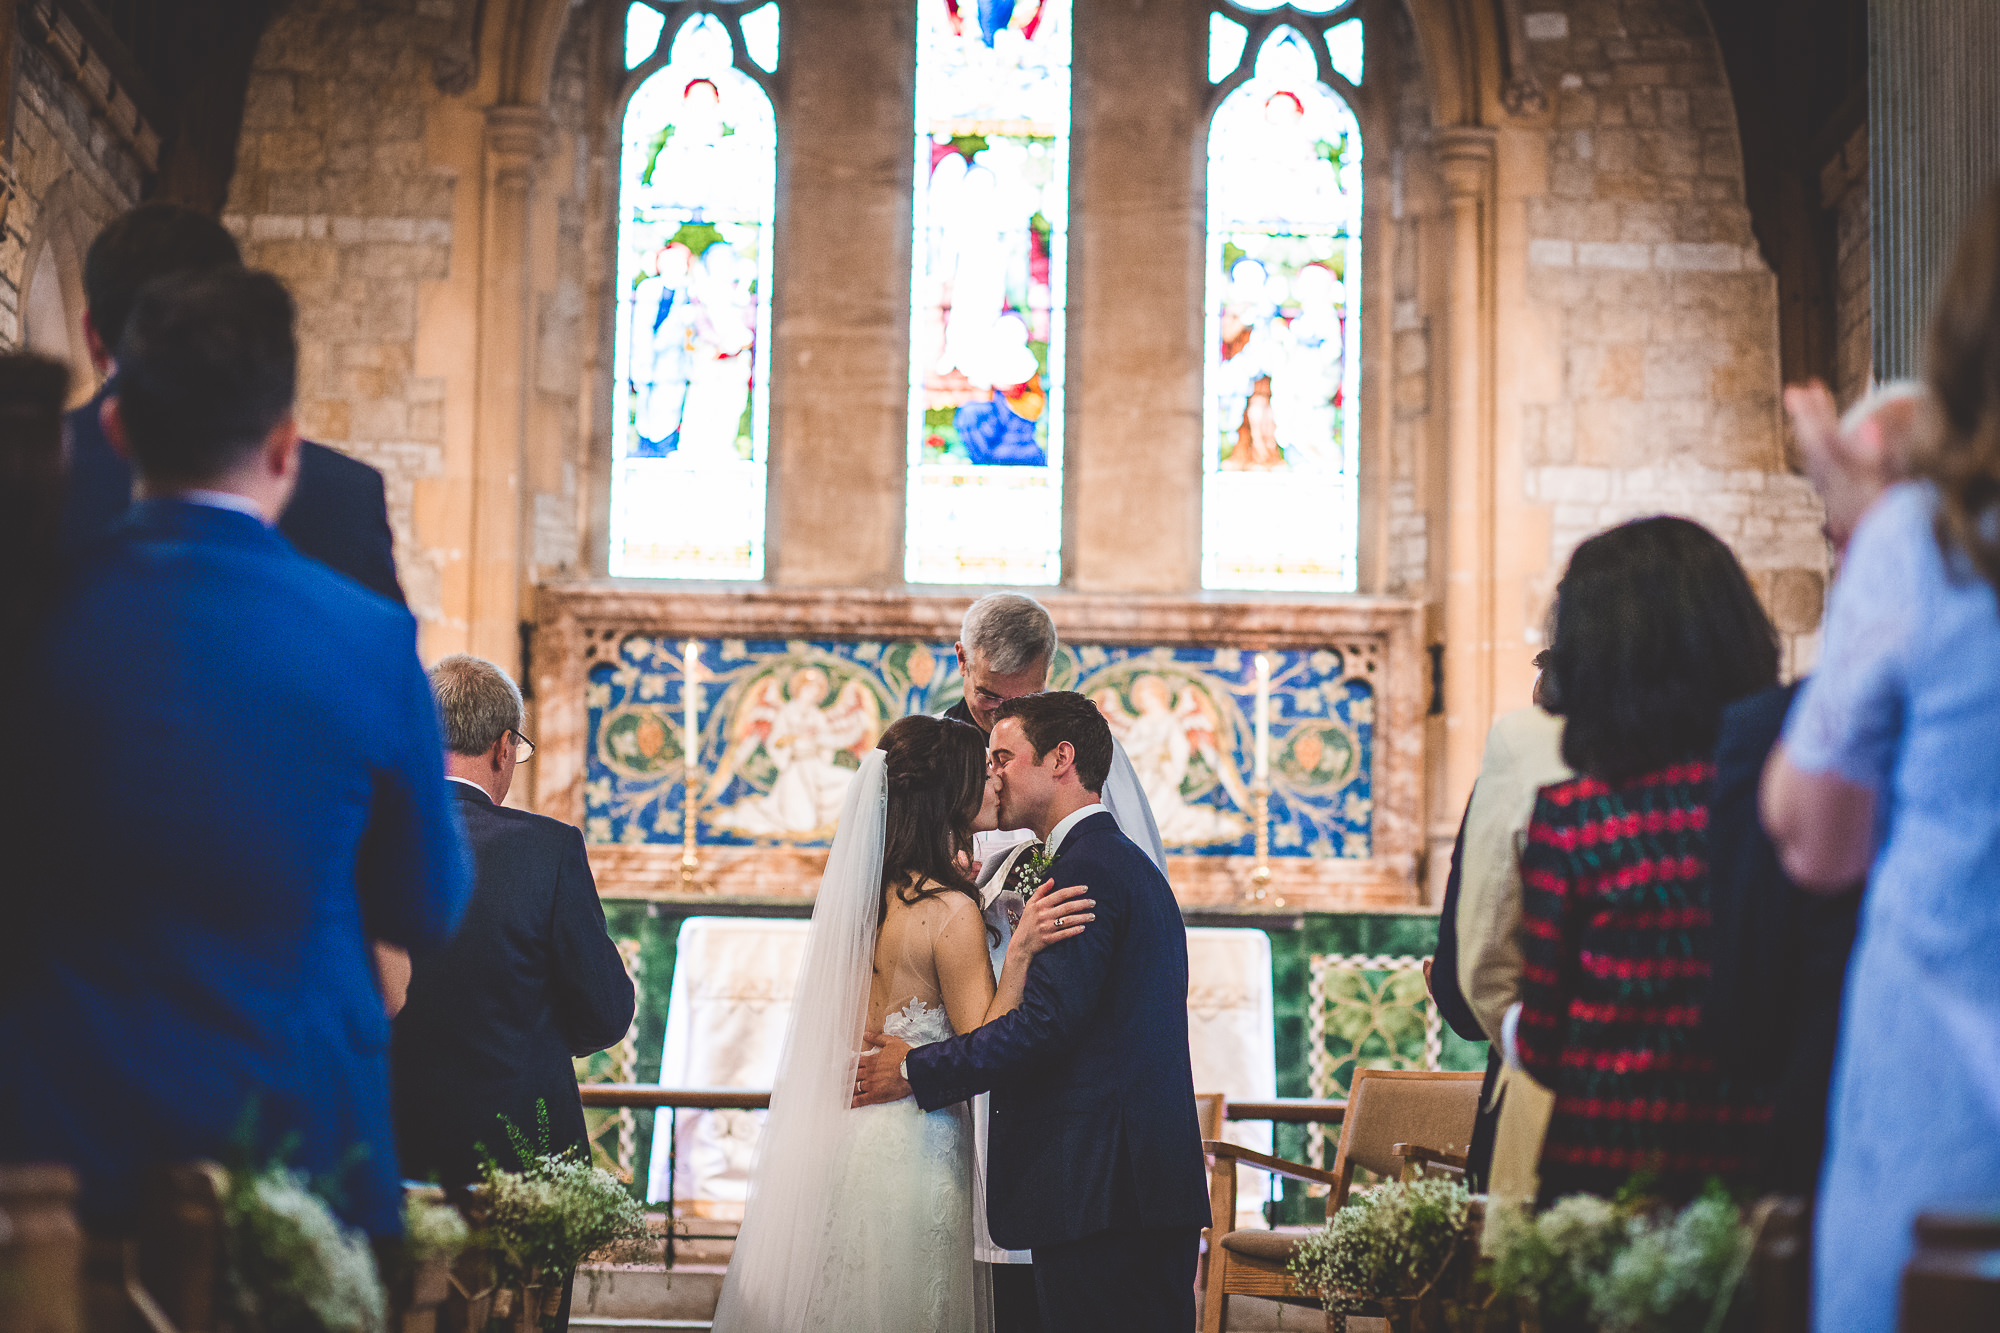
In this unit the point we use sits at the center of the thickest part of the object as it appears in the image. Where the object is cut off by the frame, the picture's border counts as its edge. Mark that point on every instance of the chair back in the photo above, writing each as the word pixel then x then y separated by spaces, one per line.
pixel 1208 1110
pixel 41 1249
pixel 1385 1107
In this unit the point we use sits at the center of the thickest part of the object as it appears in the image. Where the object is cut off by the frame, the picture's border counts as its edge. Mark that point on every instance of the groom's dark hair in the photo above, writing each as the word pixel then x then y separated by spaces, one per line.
pixel 1054 716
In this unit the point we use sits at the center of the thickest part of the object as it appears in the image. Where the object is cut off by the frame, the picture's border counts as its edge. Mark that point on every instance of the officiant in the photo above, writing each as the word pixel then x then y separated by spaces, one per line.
pixel 1006 644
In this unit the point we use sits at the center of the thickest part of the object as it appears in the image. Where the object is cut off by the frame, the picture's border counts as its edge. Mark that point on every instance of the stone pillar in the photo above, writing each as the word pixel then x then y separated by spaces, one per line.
pixel 1465 160
pixel 496 523
pixel 840 357
pixel 1933 149
pixel 1132 431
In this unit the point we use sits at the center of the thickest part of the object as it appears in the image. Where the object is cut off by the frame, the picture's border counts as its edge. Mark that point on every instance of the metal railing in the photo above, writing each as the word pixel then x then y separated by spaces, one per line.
pixel 655 1096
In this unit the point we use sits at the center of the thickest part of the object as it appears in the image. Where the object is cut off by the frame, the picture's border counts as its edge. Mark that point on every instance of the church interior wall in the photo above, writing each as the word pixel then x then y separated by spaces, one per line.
pixel 70 169
pixel 451 253
pixel 351 185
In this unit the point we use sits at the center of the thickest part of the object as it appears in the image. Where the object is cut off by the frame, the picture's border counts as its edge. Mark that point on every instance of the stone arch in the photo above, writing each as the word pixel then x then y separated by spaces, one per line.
pixel 52 300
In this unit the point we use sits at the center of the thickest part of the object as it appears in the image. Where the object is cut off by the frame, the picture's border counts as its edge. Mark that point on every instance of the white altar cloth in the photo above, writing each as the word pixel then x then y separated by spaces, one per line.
pixel 1232 1037
pixel 726 1013
pixel 732 996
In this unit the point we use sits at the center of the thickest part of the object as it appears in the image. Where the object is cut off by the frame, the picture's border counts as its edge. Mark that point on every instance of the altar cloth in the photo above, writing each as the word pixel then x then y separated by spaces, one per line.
pixel 732 995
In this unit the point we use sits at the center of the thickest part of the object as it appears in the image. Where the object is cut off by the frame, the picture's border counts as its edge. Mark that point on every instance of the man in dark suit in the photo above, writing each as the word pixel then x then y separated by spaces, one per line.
pixel 530 980
pixel 1778 953
pixel 237 787
pixel 337 515
pixel 1096 1160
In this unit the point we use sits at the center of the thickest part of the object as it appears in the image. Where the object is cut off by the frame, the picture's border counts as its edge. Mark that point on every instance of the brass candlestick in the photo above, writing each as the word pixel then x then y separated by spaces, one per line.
pixel 1260 877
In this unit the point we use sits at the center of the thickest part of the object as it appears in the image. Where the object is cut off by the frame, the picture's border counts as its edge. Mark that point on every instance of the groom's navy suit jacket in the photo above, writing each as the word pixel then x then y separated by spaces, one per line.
pixel 1093 1125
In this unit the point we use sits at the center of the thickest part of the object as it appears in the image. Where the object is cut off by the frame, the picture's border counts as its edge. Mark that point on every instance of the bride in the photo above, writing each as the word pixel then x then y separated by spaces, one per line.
pixel 860 1220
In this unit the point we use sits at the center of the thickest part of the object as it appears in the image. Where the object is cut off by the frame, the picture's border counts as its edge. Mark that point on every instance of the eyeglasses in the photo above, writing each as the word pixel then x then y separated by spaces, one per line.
pixel 524 749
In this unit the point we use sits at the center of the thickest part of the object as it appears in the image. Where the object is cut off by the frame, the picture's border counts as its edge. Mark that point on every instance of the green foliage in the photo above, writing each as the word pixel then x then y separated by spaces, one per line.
pixel 1395 1240
pixel 290 1265
pixel 1628 1267
pixel 556 1210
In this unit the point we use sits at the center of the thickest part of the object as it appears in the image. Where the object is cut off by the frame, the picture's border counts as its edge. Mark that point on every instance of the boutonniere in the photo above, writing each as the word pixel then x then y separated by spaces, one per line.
pixel 1030 869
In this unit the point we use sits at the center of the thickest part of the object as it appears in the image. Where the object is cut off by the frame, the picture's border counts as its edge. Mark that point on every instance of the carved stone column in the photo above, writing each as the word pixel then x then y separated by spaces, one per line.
pixel 1465 159
pixel 494 528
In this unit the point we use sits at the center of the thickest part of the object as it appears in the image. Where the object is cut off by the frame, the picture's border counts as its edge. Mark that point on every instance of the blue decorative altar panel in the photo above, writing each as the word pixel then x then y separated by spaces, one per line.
pixel 780 726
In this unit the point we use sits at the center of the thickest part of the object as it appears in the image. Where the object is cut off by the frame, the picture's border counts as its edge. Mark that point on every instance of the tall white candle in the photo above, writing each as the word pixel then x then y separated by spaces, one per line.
pixel 1263 718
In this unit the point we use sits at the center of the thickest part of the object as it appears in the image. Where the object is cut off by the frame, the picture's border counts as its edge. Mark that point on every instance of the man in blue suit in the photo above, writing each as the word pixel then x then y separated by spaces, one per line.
pixel 337 514
pixel 1096 1159
pixel 237 786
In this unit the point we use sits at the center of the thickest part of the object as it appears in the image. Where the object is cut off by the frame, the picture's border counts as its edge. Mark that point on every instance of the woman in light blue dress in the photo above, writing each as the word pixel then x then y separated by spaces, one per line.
pixel 1890 765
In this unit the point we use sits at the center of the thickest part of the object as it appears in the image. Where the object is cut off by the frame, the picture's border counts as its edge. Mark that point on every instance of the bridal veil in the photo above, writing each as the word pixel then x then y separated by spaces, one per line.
pixel 779 1253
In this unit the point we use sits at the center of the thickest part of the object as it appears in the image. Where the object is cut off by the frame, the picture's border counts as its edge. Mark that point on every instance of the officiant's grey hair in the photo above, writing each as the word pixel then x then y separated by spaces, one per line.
pixel 1008 632
pixel 476 701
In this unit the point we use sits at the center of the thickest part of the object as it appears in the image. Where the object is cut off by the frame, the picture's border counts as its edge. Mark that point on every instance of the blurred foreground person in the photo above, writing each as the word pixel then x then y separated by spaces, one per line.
pixel 1656 630
pixel 1780 952
pixel 337 513
pixel 1890 768
pixel 531 979
pixel 237 785
pixel 32 390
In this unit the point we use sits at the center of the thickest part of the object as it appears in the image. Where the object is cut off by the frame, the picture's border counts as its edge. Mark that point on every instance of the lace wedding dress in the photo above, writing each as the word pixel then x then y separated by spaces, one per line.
pixel 860 1220
pixel 899 1253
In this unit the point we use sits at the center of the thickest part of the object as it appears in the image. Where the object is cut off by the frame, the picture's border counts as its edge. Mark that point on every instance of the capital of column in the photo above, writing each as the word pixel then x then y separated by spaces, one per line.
pixel 514 135
pixel 1465 159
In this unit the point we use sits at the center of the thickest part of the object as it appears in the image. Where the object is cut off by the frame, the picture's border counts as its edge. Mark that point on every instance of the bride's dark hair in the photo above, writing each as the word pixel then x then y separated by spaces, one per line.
pixel 937 779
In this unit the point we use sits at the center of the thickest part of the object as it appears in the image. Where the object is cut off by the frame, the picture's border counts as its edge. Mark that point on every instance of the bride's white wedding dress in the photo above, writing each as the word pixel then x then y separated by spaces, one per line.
pixel 860 1220
pixel 899 1253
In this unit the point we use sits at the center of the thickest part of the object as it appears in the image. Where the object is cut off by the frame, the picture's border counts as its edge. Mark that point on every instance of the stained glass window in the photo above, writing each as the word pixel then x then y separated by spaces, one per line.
pixel 1279 498
pixel 986 327
pixel 691 411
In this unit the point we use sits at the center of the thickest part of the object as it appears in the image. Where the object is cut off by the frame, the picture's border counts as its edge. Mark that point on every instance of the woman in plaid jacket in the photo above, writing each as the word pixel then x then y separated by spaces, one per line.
pixel 1656 630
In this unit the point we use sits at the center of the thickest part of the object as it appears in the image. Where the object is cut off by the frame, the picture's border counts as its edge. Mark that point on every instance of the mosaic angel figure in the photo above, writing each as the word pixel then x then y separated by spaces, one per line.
pixel 1164 738
pixel 801 734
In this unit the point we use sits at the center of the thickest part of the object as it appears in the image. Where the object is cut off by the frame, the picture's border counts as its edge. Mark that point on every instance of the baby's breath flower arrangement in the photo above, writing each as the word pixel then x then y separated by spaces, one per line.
pixel 290 1264
pixel 1624 1267
pixel 553 1213
pixel 433 1229
pixel 1395 1241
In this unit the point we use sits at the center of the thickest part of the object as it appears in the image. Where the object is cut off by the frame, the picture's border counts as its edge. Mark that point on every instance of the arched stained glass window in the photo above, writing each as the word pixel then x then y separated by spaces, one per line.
pixel 1279 497
pixel 986 327
pixel 691 405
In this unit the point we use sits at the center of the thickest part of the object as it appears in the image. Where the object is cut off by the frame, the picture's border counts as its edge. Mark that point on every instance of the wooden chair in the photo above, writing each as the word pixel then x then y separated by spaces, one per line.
pixel 1396 1121
pixel 41 1249
pixel 1208 1109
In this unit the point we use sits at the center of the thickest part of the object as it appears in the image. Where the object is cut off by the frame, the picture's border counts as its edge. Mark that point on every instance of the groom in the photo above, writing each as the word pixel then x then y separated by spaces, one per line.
pixel 1096 1151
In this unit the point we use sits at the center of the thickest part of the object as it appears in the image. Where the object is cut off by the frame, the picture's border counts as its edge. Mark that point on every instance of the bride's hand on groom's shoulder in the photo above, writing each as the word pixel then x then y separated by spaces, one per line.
pixel 879 1076
pixel 1051 916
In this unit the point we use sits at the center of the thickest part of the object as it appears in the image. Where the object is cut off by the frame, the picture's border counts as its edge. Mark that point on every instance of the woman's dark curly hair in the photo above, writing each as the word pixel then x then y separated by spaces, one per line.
pixel 1656 630
pixel 1962 366
pixel 937 778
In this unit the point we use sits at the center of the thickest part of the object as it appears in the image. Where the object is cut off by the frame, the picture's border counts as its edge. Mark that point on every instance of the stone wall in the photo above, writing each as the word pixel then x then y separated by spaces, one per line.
pixel 336 193
pixel 359 182
pixel 1642 266
pixel 69 172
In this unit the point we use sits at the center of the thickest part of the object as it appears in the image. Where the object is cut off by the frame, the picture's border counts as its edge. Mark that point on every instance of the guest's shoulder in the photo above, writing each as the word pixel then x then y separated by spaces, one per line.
pixel 1527 743
pixel 523 823
pixel 330 467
